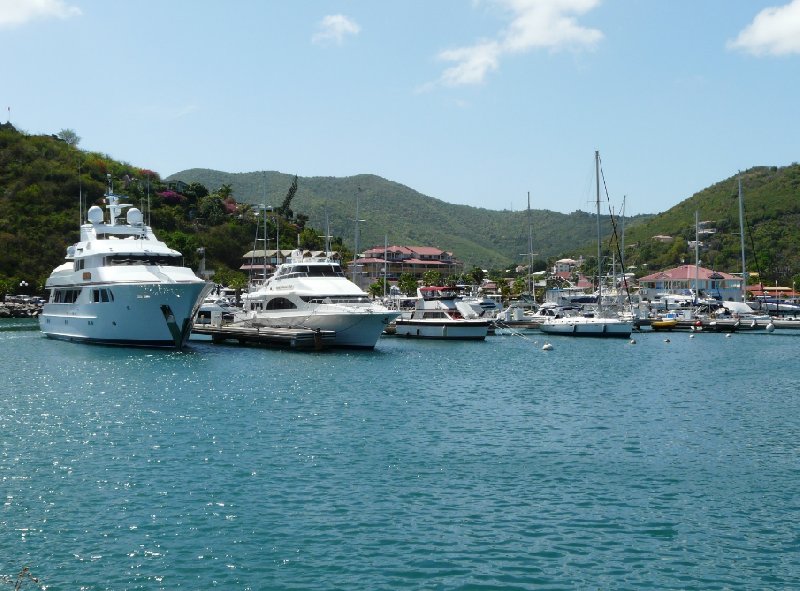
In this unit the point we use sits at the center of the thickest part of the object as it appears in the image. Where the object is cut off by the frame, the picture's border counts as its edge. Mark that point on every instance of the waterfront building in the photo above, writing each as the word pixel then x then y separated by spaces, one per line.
pixel 684 279
pixel 415 260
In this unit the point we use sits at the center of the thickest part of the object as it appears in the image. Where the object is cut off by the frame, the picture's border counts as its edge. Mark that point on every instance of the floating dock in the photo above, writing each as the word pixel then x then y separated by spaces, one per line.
pixel 295 338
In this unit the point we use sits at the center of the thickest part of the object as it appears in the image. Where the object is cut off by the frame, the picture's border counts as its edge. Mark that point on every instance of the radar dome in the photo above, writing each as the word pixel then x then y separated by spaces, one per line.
pixel 95 214
pixel 134 217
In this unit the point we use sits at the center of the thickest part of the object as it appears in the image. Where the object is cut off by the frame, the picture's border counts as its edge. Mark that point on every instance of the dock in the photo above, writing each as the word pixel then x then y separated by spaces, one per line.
pixel 294 338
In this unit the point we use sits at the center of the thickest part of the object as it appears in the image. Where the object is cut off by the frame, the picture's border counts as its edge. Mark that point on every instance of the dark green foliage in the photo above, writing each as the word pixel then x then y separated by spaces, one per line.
pixel 285 208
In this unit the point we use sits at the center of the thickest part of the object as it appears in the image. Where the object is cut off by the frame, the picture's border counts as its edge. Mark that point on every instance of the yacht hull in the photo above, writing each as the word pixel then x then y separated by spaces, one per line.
pixel 433 329
pixel 354 329
pixel 142 315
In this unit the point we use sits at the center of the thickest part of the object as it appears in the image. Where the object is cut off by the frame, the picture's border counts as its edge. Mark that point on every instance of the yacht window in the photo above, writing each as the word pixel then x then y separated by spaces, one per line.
pixel 324 271
pixel 322 299
pixel 102 295
pixel 66 296
pixel 144 259
pixel 280 304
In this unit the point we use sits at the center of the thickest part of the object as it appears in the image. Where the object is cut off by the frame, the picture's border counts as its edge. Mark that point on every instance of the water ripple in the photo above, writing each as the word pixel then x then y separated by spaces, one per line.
pixel 421 465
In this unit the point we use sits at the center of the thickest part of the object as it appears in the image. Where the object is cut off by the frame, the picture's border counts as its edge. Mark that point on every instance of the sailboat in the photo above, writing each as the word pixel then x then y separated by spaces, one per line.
pixel 600 324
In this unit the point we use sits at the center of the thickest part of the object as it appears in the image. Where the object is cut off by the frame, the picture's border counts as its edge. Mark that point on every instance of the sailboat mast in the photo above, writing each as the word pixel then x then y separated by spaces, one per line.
pixel 355 250
pixel 266 241
pixel 385 256
pixel 741 239
pixel 696 255
pixel 531 285
pixel 599 265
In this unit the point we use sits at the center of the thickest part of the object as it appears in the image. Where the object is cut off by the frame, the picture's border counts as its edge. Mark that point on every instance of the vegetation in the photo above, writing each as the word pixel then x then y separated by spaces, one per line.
pixel 479 237
pixel 771 198
pixel 41 177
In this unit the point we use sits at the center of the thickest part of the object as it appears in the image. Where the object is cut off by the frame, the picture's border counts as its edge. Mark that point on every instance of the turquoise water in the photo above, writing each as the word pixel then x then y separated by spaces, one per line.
pixel 421 465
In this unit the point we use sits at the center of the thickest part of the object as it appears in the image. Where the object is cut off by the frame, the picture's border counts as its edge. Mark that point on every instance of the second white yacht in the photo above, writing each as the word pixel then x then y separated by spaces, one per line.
pixel 313 292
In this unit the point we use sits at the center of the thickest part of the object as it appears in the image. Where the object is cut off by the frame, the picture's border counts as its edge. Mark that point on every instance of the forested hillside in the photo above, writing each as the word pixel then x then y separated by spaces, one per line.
pixel 481 237
pixel 42 176
pixel 771 203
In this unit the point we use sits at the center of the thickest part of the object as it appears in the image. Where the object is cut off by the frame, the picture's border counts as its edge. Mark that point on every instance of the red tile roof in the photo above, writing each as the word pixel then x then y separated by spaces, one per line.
pixel 686 273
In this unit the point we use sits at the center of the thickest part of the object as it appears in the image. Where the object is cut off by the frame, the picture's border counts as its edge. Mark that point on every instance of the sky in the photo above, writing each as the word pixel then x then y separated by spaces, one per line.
pixel 475 102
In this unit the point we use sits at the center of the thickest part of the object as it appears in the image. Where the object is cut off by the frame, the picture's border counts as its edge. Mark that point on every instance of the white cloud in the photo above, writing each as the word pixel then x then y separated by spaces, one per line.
pixel 14 13
pixel 334 28
pixel 774 31
pixel 472 63
pixel 535 24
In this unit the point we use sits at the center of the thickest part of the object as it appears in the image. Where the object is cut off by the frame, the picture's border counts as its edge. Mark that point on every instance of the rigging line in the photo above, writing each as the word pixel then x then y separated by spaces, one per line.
pixel 614 239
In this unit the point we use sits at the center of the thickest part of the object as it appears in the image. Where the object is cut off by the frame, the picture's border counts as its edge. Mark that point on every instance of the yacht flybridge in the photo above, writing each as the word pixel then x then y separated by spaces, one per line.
pixel 120 285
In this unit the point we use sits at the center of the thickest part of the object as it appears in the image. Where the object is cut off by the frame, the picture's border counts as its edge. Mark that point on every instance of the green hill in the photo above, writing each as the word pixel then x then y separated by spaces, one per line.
pixel 479 237
pixel 771 198
pixel 41 177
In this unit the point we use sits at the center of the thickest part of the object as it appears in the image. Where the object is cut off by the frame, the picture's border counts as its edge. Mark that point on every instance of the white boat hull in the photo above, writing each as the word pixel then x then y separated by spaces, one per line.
pixel 357 328
pixel 146 315
pixel 450 329
pixel 588 327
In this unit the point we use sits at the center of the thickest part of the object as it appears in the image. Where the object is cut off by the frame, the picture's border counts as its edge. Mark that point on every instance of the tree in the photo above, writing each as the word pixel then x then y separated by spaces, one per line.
pixel 310 240
pixel 376 289
pixel 432 278
pixel 285 208
pixel 225 191
pixel 69 136
pixel 407 284
pixel 211 208
pixel 477 275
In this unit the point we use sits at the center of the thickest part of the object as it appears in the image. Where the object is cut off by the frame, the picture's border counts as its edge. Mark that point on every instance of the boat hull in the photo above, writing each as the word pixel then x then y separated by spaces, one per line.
pixel 588 327
pixel 141 315
pixel 452 329
pixel 353 329
pixel 663 324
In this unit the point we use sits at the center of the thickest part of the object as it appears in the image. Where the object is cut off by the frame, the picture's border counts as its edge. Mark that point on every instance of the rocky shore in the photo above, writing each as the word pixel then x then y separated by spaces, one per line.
pixel 14 310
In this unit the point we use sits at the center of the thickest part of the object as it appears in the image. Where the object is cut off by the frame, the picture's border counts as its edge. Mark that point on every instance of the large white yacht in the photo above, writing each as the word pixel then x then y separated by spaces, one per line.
pixel 120 285
pixel 313 292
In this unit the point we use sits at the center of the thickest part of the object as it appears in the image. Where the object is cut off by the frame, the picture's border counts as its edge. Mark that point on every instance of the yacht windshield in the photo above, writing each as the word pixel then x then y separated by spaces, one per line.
pixel 164 260
pixel 311 271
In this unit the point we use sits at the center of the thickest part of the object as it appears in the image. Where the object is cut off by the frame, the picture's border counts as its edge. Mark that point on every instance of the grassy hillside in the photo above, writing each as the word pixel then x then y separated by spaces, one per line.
pixel 481 237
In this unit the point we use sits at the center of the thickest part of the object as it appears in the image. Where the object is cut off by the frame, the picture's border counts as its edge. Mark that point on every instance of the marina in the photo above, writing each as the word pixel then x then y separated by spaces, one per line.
pixel 251 468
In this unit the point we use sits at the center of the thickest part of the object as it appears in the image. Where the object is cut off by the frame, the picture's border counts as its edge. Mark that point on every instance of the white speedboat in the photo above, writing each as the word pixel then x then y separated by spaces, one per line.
pixel 313 292
pixel 120 285
pixel 439 314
